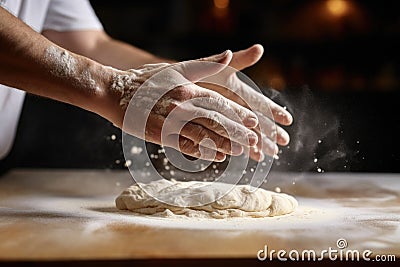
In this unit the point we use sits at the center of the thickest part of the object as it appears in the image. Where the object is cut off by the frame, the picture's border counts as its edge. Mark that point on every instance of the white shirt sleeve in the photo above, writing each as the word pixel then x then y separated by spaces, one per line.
pixel 70 15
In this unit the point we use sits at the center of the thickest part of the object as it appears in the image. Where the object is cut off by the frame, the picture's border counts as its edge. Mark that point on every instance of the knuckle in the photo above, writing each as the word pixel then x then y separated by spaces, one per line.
pixel 201 134
pixel 182 92
pixel 245 112
pixel 186 146
pixel 213 120
pixel 213 124
pixel 164 106
pixel 216 96
pixel 183 109
pixel 222 102
pixel 241 112
pixel 220 142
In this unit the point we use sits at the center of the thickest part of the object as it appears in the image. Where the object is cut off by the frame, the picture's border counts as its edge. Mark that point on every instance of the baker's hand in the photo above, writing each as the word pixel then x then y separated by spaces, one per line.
pixel 266 110
pixel 206 114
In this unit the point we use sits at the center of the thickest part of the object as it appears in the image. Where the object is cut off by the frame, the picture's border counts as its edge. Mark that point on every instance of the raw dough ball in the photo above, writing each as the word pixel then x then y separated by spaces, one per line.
pixel 239 202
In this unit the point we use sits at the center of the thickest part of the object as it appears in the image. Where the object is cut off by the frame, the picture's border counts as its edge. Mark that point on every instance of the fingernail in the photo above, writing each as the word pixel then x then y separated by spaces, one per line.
pixel 222 55
pixel 236 149
pixel 262 156
pixel 253 139
pixel 220 157
pixel 289 119
pixel 251 122
pixel 285 139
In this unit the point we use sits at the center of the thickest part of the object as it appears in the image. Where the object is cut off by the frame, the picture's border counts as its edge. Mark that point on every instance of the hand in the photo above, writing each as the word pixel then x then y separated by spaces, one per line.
pixel 203 113
pixel 266 110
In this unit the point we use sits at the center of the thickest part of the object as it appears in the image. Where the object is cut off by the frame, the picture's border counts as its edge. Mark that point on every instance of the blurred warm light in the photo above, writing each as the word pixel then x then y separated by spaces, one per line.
pixel 337 8
pixel 221 4
pixel 221 9
pixel 331 79
pixel 277 82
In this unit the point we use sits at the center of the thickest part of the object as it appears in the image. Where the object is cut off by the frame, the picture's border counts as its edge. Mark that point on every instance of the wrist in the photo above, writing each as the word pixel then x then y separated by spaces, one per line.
pixel 116 89
pixel 106 101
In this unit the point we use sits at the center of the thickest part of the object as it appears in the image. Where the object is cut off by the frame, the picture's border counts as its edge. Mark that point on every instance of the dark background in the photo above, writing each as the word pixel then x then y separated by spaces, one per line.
pixel 333 63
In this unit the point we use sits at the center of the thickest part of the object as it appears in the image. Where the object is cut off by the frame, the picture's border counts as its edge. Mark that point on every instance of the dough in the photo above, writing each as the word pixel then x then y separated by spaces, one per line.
pixel 239 202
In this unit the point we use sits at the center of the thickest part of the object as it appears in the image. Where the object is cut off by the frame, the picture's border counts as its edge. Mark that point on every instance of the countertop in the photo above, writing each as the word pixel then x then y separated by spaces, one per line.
pixel 71 215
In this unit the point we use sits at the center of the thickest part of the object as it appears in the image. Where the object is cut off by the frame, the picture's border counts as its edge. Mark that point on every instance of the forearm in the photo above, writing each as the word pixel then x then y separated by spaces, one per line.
pixel 123 56
pixel 31 62
pixel 98 46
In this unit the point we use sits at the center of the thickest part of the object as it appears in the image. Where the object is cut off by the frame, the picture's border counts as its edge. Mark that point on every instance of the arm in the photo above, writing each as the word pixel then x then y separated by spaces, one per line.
pixel 99 46
pixel 31 62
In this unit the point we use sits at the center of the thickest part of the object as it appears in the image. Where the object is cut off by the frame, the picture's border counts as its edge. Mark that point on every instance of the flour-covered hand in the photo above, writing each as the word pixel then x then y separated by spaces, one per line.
pixel 268 111
pixel 200 122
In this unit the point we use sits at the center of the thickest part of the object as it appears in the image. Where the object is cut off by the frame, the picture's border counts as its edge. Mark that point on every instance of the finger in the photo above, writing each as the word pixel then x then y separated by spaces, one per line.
pixel 225 127
pixel 153 129
pixel 195 70
pixel 265 144
pixel 268 146
pixel 283 138
pixel 246 58
pixel 256 154
pixel 246 96
pixel 223 58
pixel 210 154
pixel 213 120
pixel 198 133
pixel 185 145
pixel 195 133
pixel 263 104
pixel 210 100
pixel 273 131
pixel 281 115
pixel 267 126
pixel 190 148
pixel 225 92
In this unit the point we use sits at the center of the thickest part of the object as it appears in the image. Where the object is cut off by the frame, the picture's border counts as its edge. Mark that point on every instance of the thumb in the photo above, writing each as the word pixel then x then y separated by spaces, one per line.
pixel 195 70
pixel 246 58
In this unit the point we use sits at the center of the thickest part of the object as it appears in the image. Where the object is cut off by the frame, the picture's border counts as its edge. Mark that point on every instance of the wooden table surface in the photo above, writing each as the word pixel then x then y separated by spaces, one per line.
pixel 70 215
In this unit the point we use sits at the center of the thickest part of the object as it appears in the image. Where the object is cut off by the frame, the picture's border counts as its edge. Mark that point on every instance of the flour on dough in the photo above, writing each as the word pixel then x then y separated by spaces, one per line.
pixel 241 201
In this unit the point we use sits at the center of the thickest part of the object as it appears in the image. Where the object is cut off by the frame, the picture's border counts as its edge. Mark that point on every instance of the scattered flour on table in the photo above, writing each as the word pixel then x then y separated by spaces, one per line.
pixel 241 201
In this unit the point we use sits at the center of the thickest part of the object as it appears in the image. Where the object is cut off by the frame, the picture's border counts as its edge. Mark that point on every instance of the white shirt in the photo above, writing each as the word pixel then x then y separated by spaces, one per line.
pixel 59 15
